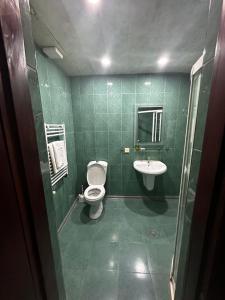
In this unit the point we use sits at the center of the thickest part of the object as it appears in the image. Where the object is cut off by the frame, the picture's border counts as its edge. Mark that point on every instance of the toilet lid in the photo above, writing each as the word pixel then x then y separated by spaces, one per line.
pixel 96 174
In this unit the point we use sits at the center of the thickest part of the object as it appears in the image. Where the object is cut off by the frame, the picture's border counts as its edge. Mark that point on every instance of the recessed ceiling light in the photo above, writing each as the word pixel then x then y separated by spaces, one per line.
pixel 147 82
pixel 163 61
pixel 105 61
pixel 93 1
pixel 109 83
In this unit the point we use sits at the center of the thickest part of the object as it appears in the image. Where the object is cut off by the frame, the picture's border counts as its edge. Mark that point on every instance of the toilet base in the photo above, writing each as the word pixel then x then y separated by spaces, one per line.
pixel 96 211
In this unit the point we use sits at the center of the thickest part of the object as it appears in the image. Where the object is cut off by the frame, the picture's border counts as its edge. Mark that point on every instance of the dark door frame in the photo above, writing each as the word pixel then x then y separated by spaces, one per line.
pixel 19 132
pixel 209 210
pixel 17 281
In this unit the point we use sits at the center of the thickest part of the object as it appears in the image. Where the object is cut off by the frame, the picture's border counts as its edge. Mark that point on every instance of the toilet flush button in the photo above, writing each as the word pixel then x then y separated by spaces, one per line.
pixel 126 150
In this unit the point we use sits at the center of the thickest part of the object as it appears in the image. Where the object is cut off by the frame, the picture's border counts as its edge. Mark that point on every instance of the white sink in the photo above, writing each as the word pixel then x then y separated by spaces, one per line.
pixel 149 169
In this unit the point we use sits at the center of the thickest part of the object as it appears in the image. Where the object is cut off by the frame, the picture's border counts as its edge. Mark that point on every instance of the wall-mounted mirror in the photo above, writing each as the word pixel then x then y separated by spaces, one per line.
pixel 148 125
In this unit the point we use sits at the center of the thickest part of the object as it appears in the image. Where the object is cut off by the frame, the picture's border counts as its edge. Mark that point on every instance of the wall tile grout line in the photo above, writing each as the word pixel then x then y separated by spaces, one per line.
pixel 124 114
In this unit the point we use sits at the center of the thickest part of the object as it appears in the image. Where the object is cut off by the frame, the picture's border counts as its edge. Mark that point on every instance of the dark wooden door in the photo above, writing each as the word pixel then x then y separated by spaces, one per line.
pixel 16 277
pixel 26 258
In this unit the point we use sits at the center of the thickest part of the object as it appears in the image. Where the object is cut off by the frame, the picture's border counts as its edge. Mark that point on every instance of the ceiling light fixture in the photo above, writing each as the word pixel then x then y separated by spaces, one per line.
pixel 106 62
pixel 147 83
pixel 163 61
pixel 93 1
pixel 109 83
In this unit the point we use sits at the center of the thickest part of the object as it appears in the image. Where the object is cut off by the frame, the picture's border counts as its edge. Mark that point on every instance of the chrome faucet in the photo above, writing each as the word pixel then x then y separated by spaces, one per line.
pixel 149 160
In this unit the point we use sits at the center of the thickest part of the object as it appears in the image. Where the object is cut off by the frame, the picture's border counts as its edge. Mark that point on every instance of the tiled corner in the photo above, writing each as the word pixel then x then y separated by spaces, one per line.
pixel 27 33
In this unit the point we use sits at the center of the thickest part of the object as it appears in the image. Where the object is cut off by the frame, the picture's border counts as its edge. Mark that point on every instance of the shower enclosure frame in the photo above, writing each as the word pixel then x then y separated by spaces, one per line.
pixel 196 76
pixel 208 219
pixel 205 264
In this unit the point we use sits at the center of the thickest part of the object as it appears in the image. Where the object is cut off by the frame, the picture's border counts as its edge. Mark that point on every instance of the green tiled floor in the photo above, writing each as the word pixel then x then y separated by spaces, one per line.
pixel 126 254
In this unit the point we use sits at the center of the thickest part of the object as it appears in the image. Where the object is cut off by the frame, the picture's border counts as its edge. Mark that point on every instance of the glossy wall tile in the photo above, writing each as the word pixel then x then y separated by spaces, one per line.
pixel 103 111
pixel 34 89
pixel 57 108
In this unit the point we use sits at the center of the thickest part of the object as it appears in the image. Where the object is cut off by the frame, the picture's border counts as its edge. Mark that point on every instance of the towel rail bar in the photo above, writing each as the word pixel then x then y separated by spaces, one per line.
pixel 55 134
pixel 55 130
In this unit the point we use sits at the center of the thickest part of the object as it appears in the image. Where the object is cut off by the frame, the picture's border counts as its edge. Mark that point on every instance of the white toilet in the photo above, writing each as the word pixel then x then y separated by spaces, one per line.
pixel 94 194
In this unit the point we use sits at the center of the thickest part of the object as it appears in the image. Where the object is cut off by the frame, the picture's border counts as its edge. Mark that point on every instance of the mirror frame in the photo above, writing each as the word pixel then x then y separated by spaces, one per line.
pixel 150 144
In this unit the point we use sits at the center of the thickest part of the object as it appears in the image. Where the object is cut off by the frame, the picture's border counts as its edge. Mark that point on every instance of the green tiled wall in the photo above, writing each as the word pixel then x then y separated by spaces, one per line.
pixel 57 108
pixel 39 124
pixel 104 123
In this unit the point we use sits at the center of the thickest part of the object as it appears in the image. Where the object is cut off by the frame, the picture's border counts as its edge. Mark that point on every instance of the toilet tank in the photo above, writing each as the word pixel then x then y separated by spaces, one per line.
pixel 96 172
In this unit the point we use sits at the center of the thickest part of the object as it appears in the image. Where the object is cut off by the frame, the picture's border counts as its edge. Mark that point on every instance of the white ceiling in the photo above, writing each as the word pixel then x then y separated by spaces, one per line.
pixel 134 33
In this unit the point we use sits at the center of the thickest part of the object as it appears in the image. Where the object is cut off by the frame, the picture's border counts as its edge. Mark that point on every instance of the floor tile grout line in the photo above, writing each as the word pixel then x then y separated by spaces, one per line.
pixel 124 271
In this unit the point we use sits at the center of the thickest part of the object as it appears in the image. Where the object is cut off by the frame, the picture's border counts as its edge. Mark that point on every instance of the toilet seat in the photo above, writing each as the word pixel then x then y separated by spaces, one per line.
pixel 94 192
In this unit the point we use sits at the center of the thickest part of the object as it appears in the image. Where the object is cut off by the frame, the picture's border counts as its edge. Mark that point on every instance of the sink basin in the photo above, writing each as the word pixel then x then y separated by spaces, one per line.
pixel 152 167
pixel 149 169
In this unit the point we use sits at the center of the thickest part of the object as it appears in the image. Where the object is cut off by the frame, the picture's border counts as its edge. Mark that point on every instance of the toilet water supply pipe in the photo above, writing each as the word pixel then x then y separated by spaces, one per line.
pixel 81 196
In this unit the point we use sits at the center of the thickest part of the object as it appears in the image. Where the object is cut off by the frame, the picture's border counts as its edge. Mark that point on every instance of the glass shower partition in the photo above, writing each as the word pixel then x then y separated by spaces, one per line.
pixel 180 252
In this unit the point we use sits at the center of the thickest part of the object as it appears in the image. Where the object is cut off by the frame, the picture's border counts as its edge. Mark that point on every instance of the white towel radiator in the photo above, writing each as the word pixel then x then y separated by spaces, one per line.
pixel 53 131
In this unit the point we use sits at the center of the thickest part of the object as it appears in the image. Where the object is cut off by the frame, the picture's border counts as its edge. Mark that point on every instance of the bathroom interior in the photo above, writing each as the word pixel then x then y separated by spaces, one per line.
pixel 120 95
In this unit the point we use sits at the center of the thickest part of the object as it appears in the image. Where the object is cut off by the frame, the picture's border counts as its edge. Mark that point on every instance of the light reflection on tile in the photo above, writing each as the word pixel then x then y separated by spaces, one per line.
pixel 116 259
